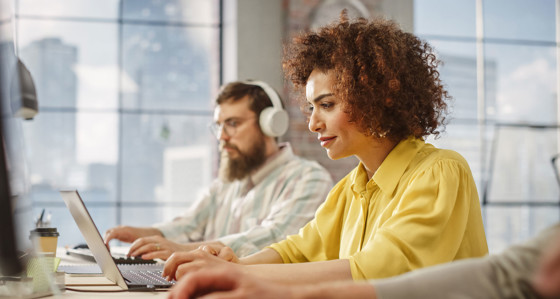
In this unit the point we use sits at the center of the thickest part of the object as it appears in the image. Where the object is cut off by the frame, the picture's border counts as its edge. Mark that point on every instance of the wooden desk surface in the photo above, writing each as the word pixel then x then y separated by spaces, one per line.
pixel 95 285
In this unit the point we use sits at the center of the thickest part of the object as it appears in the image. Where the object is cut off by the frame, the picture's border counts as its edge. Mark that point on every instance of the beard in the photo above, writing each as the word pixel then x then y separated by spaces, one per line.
pixel 237 168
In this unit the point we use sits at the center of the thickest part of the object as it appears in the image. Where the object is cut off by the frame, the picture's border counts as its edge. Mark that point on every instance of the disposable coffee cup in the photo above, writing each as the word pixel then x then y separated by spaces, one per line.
pixel 45 239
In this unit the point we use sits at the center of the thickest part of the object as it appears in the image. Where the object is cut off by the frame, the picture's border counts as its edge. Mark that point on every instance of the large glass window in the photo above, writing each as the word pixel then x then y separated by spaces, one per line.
pixel 125 92
pixel 454 19
pixel 125 95
pixel 503 78
pixel 519 20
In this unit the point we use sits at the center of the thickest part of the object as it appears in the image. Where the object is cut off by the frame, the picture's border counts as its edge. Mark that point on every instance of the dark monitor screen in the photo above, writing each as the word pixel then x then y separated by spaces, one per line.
pixel 12 163
pixel 9 263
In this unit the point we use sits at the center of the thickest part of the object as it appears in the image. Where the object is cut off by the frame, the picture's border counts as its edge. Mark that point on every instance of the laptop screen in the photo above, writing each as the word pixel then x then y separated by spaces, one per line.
pixel 93 237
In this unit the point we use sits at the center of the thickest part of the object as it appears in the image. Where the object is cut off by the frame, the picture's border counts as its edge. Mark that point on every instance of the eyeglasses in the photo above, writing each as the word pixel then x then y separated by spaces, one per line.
pixel 229 127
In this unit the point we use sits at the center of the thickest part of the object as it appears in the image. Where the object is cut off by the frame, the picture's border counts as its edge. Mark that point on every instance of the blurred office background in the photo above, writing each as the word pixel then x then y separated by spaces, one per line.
pixel 126 92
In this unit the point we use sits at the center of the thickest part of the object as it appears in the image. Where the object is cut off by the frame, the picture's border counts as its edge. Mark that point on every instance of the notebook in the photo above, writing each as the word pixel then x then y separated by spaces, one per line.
pixel 88 269
pixel 128 277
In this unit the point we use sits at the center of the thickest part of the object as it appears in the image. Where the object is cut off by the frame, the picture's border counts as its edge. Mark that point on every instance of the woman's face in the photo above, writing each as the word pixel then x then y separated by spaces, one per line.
pixel 340 137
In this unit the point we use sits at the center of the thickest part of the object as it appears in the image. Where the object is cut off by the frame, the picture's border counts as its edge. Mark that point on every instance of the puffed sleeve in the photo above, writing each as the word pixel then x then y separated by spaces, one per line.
pixel 433 218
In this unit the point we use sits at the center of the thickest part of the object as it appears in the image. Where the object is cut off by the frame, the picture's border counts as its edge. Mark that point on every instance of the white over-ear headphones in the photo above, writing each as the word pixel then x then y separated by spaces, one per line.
pixel 273 120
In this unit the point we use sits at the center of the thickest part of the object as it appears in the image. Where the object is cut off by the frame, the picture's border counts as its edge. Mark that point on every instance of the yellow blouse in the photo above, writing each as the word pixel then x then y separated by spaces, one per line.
pixel 421 208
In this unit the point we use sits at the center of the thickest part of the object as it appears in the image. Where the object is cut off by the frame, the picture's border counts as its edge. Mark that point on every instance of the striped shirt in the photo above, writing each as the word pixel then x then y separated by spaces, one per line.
pixel 249 214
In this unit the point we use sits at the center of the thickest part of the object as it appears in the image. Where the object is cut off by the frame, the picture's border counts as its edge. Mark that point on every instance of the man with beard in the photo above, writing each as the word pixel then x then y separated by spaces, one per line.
pixel 264 192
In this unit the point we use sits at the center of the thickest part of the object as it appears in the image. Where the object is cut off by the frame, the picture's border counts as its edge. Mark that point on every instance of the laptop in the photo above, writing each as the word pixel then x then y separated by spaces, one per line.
pixel 129 277
pixel 119 257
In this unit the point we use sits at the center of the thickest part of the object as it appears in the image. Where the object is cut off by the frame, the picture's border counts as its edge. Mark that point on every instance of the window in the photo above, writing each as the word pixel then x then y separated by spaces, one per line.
pixel 125 93
pixel 503 78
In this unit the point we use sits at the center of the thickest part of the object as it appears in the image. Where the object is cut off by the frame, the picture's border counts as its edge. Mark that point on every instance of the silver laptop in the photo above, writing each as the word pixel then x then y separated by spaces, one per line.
pixel 129 277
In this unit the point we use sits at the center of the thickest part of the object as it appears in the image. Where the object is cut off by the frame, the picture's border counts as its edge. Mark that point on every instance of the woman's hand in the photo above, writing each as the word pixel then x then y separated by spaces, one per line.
pixel 222 252
pixel 181 263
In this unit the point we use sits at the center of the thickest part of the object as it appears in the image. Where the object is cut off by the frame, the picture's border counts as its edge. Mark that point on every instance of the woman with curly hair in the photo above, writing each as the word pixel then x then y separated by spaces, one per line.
pixel 372 91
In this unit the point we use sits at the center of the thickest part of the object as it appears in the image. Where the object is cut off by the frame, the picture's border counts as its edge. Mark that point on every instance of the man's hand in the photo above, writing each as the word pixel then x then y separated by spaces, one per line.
pixel 181 263
pixel 156 247
pixel 226 281
pixel 129 234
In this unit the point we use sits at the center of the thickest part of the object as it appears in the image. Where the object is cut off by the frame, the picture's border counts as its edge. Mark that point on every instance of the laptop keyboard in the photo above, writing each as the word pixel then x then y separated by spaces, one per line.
pixel 132 261
pixel 87 255
pixel 147 277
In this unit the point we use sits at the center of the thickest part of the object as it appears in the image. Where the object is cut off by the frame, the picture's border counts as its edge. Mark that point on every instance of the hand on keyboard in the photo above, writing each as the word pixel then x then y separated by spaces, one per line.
pixel 119 260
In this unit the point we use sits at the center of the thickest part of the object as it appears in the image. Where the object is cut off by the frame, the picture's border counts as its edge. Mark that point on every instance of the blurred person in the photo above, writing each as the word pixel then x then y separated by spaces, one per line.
pixel 529 270
pixel 372 91
pixel 264 192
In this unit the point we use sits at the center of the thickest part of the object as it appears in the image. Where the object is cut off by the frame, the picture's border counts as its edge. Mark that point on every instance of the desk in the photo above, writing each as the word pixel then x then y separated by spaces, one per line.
pixel 95 282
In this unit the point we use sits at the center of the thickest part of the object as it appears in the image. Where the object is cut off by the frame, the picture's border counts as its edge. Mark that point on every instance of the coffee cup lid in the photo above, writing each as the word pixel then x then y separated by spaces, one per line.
pixel 45 232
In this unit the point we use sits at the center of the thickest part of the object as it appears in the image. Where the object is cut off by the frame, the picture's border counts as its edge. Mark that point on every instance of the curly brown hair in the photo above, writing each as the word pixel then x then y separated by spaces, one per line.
pixel 387 78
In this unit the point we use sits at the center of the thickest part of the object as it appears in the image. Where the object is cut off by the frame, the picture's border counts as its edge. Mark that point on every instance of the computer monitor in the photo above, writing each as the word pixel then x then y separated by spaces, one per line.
pixel 16 86
pixel 9 263
pixel 9 260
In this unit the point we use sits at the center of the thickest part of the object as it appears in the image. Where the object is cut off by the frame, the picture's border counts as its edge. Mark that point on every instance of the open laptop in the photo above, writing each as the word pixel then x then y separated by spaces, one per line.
pixel 128 277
